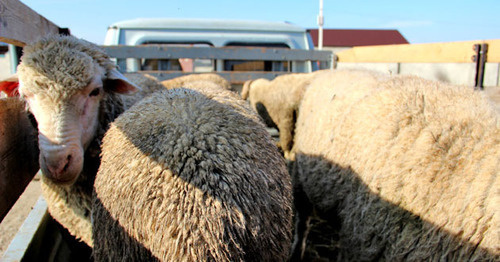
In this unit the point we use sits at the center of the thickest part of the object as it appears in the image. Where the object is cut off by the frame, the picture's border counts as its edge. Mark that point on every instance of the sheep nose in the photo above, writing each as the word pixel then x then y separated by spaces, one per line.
pixel 59 167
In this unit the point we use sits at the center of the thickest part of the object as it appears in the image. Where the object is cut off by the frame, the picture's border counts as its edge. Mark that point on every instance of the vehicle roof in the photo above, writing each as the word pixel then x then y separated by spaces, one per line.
pixel 206 24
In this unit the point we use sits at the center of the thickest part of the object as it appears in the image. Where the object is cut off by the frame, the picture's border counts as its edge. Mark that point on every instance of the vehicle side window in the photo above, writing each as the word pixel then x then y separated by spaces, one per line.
pixel 245 65
pixel 181 64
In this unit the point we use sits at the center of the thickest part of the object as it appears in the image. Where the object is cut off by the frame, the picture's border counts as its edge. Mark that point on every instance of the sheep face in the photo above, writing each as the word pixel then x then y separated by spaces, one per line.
pixel 68 120
pixel 66 83
pixel 66 125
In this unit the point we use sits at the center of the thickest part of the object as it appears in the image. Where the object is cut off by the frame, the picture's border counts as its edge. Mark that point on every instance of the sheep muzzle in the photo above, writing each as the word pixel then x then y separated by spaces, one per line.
pixel 61 164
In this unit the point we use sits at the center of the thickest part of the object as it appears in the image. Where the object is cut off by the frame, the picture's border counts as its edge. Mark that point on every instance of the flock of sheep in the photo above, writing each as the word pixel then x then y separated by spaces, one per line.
pixel 400 167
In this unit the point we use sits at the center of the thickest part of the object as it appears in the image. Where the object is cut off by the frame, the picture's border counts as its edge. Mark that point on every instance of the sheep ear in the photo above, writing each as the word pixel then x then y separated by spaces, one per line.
pixel 118 83
pixel 10 86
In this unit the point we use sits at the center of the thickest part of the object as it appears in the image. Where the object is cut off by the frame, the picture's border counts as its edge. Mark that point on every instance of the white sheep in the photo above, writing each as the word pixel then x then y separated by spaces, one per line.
pixel 74 91
pixel 260 109
pixel 191 175
pixel 405 168
pixel 277 102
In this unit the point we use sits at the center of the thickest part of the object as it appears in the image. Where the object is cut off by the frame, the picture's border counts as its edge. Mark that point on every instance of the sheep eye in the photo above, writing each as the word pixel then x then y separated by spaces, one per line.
pixel 94 92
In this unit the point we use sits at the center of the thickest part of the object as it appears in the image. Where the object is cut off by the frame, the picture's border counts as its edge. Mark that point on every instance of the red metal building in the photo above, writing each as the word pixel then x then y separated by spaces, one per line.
pixel 339 39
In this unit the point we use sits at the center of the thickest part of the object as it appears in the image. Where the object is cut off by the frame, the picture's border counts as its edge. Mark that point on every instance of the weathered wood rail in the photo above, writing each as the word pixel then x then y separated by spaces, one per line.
pixel 20 24
pixel 219 54
pixel 18 152
pixel 451 52
pixel 473 63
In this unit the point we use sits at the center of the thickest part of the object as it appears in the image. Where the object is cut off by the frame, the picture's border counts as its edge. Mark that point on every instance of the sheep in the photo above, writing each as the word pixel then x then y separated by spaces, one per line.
pixel 259 108
pixel 403 168
pixel 207 77
pixel 191 175
pixel 74 91
pixel 277 102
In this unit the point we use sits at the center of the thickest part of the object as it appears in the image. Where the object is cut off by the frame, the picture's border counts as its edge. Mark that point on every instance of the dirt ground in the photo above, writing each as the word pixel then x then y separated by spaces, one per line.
pixel 13 221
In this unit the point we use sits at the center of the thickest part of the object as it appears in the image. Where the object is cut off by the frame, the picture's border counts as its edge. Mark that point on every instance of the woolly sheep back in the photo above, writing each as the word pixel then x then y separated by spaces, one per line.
pixel 191 175
pixel 410 161
pixel 208 77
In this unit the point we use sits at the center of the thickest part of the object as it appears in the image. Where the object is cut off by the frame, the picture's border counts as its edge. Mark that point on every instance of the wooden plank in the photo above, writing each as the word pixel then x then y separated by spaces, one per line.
pixel 228 53
pixel 18 152
pixel 451 52
pixel 493 55
pixel 36 222
pixel 19 24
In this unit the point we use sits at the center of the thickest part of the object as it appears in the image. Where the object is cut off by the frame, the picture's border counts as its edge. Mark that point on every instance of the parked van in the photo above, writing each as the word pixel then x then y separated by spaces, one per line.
pixel 210 33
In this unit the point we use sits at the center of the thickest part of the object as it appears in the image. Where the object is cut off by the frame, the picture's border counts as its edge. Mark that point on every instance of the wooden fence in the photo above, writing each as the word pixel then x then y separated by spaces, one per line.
pixel 452 52
pixel 220 54
pixel 462 63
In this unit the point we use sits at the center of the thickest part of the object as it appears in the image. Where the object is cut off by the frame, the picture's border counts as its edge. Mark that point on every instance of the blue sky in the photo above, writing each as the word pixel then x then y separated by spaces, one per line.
pixel 421 21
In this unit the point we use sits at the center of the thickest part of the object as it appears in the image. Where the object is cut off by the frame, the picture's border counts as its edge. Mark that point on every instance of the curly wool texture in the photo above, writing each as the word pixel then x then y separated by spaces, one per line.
pixel 183 80
pixel 277 102
pixel 64 65
pixel 409 166
pixel 191 175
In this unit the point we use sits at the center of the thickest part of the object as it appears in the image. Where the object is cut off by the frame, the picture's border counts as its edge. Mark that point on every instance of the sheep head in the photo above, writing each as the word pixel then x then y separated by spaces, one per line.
pixel 249 84
pixel 64 80
pixel 246 89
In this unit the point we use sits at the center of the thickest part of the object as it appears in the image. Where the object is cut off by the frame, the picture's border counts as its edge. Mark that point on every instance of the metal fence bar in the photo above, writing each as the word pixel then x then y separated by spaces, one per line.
pixel 479 58
pixel 227 53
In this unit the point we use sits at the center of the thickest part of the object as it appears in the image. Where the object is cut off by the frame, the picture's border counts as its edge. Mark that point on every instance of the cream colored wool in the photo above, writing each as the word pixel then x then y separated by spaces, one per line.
pixel 59 67
pixel 409 167
pixel 277 102
pixel 63 65
pixel 183 80
pixel 191 175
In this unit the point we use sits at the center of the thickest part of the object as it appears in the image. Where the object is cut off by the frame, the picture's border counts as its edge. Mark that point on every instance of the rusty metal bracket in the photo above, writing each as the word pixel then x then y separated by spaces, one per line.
pixel 480 59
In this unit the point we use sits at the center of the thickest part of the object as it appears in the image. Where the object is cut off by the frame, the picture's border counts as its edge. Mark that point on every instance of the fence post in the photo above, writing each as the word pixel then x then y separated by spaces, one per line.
pixel 480 59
